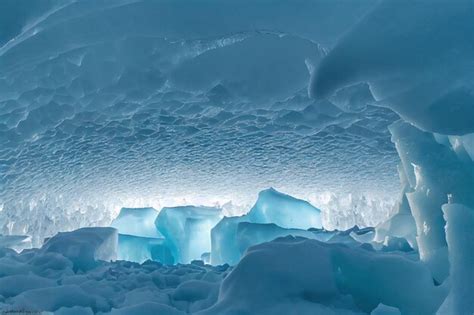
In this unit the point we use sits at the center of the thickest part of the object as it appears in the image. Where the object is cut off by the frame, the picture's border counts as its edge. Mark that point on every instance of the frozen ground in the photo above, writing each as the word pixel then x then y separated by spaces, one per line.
pixel 72 274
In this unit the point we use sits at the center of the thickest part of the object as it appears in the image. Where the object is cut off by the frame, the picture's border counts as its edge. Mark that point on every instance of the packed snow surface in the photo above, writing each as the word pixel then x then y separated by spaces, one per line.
pixel 325 278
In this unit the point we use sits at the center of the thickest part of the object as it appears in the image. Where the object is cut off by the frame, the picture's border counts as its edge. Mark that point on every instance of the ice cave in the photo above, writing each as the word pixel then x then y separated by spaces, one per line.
pixel 238 157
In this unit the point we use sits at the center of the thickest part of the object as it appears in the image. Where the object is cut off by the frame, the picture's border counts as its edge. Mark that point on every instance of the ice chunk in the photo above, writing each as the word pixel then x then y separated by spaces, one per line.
pixel 223 241
pixel 187 230
pixel 85 246
pixel 137 222
pixel 284 210
pixel 272 207
pixel 140 249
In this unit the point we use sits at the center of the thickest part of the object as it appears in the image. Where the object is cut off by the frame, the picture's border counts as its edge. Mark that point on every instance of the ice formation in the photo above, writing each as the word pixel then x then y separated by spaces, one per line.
pixel 274 214
pixel 169 105
pixel 162 113
pixel 137 222
pixel 188 230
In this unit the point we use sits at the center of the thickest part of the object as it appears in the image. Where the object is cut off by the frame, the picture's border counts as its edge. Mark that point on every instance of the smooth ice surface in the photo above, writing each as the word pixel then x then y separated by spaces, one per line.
pixel 275 214
pixel 140 249
pixel 419 63
pixel 137 222
pixel 188 230
pixel 284 210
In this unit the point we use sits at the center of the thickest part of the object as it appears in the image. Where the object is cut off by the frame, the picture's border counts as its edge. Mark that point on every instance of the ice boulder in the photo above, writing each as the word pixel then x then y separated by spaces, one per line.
pixel 278 210
pixel 187 230
pixel 139 249
pixel 224 248
pixel 139 239
pixel 284 210
pixel 85 246
pixel 137 221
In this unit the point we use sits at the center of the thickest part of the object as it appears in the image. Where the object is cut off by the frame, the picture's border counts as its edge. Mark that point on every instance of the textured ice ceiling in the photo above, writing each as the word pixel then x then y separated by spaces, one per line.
pixel 105 104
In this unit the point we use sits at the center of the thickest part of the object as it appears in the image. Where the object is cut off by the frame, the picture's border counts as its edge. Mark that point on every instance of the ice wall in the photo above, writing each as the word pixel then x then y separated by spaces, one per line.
pixel 419 63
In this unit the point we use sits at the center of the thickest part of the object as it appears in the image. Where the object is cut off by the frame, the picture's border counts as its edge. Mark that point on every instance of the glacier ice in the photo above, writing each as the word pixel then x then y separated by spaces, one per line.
pixel 287 214
pixel 187 230
pixel 139 239
pixel 284 210
pixel 140 249
pixel 137 222
pixel 138 104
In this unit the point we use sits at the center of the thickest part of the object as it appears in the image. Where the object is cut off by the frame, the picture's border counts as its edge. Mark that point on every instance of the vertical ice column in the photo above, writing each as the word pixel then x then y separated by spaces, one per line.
pixel 401 224
pixel 460 220
pixel 187 230
pixel 434 171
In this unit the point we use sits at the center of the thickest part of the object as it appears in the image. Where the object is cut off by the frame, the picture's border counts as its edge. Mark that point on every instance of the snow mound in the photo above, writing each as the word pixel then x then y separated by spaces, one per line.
pixel 83 247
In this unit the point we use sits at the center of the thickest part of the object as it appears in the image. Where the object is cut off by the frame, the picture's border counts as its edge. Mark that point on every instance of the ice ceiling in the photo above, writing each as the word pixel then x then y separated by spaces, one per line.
pixel 105 104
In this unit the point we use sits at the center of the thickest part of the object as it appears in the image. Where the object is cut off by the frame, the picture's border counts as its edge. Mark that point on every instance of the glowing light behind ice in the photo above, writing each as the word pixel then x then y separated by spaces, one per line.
pixel 154 115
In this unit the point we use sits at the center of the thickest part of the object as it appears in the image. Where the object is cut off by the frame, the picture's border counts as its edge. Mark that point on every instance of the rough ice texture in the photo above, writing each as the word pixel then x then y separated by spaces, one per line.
pixel 180 113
